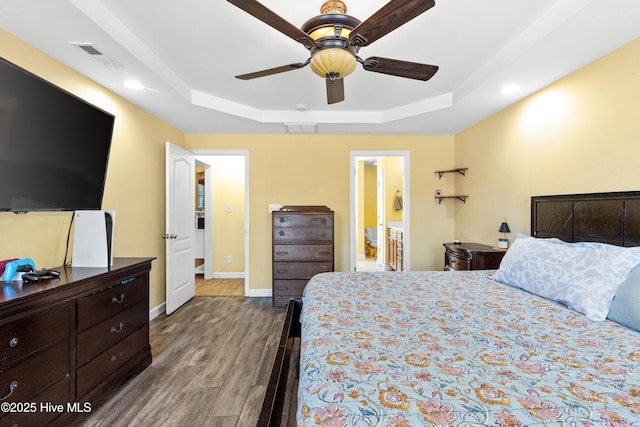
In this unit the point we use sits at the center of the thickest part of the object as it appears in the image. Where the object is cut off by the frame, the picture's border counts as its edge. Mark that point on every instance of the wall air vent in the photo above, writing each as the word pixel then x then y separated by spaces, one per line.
pixel 90 49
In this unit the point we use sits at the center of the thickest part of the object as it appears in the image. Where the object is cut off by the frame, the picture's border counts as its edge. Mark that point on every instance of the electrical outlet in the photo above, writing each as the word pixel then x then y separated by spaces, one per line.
pixel 228 259
pixel 274 207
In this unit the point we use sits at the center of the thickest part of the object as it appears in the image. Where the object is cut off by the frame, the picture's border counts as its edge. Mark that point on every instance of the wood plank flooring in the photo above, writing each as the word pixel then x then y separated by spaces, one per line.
pixel 211 363
pixel 219 287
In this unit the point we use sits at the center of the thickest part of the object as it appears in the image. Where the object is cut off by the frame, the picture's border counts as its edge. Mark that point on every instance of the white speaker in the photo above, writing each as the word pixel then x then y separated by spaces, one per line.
pixel 93 238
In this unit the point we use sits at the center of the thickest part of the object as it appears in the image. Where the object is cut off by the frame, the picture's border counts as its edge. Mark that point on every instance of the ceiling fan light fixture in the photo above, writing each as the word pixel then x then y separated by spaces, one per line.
pixel 333 61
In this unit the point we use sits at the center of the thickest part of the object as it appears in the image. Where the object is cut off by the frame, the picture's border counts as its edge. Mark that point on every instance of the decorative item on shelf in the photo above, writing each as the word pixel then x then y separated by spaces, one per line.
pixel 504 228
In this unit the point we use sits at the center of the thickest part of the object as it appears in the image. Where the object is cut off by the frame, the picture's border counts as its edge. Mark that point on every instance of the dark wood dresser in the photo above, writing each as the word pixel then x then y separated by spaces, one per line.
pixel 471 256
pixel 67 341
pixel 302 247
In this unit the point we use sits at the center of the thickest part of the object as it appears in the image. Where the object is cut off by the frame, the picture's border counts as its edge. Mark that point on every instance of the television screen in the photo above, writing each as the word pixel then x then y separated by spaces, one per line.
pixel 54 147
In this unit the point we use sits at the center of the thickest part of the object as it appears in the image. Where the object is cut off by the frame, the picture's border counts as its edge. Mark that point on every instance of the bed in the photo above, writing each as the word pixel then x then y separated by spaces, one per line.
pixel 477 347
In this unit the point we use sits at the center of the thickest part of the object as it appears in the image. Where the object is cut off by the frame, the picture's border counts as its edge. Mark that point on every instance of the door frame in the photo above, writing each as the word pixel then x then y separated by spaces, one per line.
pixel 354 156
pixel 208 236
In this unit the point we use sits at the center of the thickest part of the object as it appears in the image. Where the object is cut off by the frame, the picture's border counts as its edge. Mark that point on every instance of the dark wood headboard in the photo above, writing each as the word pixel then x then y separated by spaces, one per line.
pixel 612 218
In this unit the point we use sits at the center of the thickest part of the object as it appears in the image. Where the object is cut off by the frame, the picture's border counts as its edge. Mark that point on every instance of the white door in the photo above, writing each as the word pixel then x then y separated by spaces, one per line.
pixel 180 226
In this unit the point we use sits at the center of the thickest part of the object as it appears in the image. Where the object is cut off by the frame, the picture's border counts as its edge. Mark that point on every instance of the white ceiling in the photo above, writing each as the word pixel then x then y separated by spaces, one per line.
pixel 187 53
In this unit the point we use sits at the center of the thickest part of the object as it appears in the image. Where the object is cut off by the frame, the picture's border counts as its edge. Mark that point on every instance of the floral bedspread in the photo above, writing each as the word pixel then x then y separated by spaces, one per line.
pixel 458 349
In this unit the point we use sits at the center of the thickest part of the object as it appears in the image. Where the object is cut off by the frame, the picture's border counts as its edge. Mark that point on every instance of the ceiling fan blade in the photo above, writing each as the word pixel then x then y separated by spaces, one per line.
pixel 271 71
pixel 335 91
pixel 395 67
pixel 388 18
pixel 266 15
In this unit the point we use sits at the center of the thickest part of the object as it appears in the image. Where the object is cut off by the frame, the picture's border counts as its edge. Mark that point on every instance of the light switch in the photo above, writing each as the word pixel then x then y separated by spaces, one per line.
pixel 228 208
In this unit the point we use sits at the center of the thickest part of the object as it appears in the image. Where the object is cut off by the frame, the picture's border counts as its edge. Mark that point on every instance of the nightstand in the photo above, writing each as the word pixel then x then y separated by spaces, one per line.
pixel 471 256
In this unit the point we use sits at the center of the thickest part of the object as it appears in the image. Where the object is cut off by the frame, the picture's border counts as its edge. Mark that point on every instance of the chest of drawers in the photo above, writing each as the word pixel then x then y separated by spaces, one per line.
pixel 303 246
pixel 471 256
pixel 69 340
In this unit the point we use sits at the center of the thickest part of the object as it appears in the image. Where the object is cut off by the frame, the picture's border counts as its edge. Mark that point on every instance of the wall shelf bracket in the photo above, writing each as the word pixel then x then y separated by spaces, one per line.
pixel 461 171
pixel 461 198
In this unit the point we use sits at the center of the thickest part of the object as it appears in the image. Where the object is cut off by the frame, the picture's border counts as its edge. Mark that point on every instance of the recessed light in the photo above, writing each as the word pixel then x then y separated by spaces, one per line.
pixel 509 89
pixel 133 84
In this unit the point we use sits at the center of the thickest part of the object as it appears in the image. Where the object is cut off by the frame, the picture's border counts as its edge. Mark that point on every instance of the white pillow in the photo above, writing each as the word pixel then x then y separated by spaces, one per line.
pixel 583 276
pixel 625 307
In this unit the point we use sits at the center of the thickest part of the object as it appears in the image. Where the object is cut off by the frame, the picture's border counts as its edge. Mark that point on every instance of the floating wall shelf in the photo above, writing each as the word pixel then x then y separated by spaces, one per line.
pixel 461 171
pixel 462 198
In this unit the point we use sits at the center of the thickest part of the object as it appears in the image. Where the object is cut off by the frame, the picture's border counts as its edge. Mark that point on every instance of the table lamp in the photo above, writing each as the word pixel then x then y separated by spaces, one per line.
pixel 504 228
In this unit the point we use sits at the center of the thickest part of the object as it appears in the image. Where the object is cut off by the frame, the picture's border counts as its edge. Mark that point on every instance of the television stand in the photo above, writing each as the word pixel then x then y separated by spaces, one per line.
pixel 67 341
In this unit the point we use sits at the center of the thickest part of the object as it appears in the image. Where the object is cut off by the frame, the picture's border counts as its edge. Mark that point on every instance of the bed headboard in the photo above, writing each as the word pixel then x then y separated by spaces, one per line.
pixel 612 218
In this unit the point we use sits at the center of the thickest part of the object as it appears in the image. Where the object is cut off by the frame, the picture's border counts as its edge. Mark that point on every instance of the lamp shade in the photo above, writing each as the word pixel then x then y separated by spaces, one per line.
pixel 338 61
pixel 504 228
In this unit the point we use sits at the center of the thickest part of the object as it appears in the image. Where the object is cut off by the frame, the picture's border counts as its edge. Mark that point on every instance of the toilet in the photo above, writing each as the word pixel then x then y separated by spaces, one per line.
pixel 371 241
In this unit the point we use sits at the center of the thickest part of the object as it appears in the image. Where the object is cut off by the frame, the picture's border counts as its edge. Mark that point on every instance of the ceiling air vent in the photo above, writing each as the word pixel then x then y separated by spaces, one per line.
pixel 301 127
pixel 91 50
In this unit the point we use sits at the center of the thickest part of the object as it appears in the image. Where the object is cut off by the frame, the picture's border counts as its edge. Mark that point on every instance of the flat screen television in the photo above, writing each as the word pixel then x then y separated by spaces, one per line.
pixel 54 147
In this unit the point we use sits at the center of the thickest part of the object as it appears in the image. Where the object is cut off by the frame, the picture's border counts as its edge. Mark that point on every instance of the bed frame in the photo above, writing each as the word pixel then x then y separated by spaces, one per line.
pixel 612 218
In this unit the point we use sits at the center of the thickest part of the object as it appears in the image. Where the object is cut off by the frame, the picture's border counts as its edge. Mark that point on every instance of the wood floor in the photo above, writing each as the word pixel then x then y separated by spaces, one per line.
pixel 211 362
pixel 219 287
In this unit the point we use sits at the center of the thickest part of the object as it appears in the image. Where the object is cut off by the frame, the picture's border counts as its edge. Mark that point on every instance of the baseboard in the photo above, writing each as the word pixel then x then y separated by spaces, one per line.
pixel 260 293
pixel 229 275
pixel 157 311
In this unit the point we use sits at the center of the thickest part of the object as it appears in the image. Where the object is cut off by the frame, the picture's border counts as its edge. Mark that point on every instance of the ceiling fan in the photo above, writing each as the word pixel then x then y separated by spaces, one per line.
pixel 334 39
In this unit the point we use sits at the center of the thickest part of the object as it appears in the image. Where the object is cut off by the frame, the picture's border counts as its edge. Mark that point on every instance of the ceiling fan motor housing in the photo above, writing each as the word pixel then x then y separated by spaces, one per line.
pixel 333 55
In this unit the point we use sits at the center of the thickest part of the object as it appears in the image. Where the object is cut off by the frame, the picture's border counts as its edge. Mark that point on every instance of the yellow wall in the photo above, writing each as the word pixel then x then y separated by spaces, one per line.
pixel 228 227
pixel 370 197
pixel 393 185
pixel 134 185
pixel 578 135
pixel 314 169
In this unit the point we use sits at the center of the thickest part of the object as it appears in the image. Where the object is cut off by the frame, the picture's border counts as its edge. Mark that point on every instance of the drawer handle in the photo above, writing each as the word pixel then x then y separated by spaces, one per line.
pixel 282 271
pixel 13 342
pixel 282 219
pixel 12 387
pixel 117 300
pixel 113 358
pixel 282 253
pixel 124 282
pixel 115 331
pixel 281 233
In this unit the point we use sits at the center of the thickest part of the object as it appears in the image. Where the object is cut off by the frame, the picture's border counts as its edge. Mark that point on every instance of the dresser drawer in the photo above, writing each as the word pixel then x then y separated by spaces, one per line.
pixel 302 234
pixel 104 304
pixel 455 263
pixel 303 253
pixel 302 220
pixel 57 394
pixel 106 333
pixel 300 270
pixel 289 287
pixel 108 362
pixel 23 337
pixel 34 374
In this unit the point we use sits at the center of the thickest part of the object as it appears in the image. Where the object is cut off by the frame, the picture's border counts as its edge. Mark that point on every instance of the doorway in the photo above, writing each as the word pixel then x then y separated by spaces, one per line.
pixel 379 199
pixel 225 223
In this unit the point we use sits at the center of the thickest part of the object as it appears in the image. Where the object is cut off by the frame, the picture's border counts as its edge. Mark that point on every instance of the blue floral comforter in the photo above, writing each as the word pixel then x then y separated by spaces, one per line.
pixel 458 349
